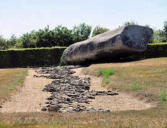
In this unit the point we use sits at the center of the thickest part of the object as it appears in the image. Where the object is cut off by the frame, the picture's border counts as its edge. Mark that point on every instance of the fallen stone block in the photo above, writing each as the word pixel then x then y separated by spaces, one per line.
pixel 109 45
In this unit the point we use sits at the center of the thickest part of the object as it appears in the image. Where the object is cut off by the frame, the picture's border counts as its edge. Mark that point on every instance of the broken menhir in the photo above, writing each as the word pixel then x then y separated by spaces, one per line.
pixel 109 45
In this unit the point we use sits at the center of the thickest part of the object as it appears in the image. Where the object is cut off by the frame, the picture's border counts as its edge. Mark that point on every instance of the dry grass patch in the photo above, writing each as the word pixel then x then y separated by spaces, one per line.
pixel 79 120
pixel 10 79
pixel 145 79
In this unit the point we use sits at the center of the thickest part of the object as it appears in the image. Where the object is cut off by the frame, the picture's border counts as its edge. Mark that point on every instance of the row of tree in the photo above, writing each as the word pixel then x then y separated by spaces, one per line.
pixel 160 35
pixel 59 36
pixel 62 36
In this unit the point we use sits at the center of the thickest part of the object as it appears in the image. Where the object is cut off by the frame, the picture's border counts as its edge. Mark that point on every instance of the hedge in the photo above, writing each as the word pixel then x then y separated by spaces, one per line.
pixel 153 50
pixel 51 56
pixel 30 57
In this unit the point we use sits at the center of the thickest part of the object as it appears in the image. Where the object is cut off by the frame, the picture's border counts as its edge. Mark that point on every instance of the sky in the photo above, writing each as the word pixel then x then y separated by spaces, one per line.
pixel 22 16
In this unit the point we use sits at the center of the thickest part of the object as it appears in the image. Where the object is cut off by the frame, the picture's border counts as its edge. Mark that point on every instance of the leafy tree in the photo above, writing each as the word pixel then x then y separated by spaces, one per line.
pixel 165 30
pixel 19 43
pixel 12 41
pixel 99 30
pixel 159 36
pixel 63 36
pixel 29 40
pixel 130 23
pixel 3 44
pixel 81 32
pixel 45 37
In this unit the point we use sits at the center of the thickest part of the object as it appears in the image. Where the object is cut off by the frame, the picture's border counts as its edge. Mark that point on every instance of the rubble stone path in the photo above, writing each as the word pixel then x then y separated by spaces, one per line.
pixel 30 97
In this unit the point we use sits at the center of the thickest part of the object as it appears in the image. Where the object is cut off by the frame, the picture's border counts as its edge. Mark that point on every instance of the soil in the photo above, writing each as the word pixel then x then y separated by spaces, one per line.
pixel 29 98
pixel 121 102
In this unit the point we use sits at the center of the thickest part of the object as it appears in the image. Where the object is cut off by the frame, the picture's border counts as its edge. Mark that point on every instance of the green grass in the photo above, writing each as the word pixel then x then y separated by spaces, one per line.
pixel 150 78
pixel 107 80
pixel 22 49
pixel 146 78
pixel 10 79
pixel 162 43
pixel 163 95
pixel 136 86
pixel 106 73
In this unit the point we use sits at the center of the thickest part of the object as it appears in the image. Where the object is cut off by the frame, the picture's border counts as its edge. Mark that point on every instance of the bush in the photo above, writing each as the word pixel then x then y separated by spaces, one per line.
pixel 30 57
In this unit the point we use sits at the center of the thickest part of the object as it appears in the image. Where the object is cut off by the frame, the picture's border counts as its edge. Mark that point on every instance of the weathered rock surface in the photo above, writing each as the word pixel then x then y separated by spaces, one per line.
pixel 68 91
pixel 109 45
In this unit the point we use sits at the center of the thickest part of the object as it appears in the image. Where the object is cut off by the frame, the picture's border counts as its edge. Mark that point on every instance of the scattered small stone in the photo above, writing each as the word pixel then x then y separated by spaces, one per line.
pixel 54 108
pixel 44 109
pixel 67 89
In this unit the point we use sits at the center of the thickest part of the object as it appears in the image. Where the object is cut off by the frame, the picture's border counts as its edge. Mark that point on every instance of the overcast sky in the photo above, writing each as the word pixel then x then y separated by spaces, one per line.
pixel 21 16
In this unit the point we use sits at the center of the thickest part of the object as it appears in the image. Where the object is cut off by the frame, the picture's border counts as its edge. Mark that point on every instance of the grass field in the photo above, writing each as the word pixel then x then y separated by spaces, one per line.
pixel 145 79
pixel 10 79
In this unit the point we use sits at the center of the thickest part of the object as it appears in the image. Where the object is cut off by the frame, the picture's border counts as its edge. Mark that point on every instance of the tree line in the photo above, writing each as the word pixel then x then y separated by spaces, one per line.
pixel 62 36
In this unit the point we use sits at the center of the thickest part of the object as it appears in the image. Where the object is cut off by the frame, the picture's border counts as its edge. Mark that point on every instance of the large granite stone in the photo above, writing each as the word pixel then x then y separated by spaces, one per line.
pixel 109 45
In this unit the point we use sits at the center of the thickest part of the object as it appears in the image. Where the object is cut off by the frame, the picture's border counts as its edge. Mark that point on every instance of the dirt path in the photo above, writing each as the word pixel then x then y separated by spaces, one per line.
pixel 30 98
pixel 119 102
